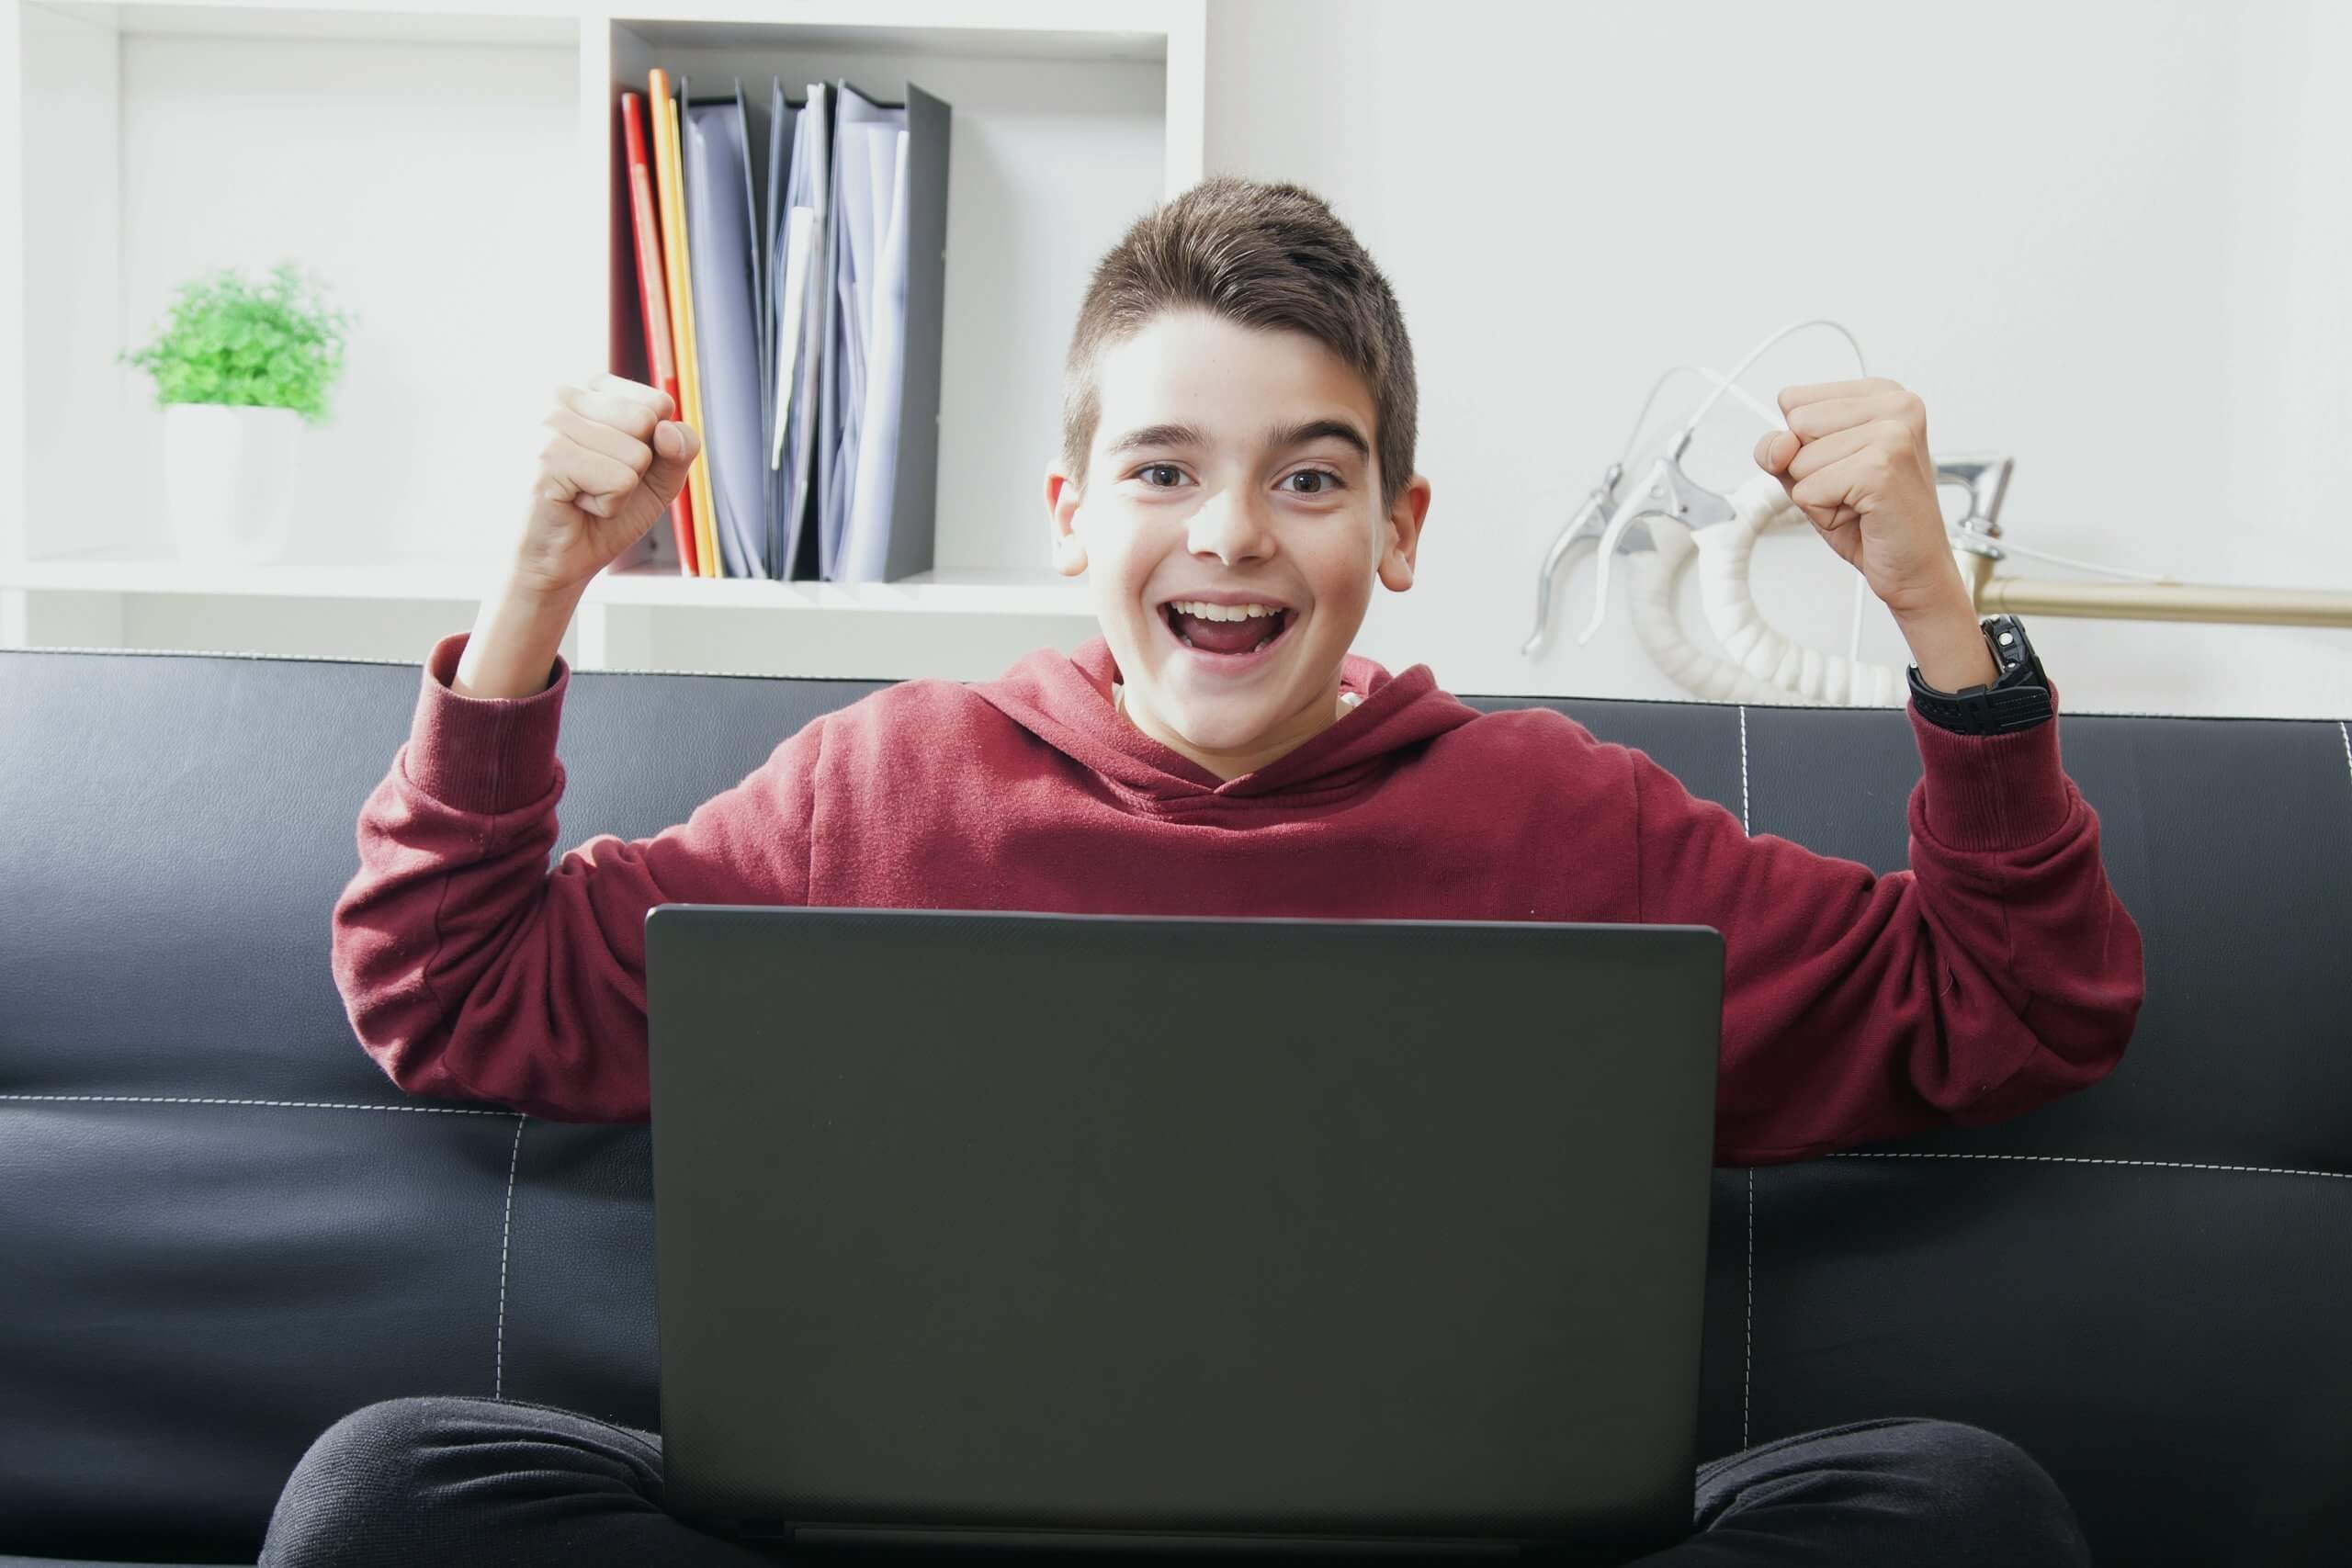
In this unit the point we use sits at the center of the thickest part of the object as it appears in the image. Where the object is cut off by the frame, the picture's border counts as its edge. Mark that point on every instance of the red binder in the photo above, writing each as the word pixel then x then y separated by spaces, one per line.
pixel 646 220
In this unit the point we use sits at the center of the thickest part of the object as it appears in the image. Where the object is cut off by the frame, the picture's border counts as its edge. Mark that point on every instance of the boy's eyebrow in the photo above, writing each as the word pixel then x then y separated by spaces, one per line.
pixel 1278 439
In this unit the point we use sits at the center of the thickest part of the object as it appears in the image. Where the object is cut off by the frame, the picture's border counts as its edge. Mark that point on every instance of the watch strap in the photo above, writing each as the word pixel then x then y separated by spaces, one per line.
pixel 2020 699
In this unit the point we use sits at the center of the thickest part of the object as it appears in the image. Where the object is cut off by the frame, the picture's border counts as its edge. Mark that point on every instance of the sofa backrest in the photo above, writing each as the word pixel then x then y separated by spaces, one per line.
pixel 221 1226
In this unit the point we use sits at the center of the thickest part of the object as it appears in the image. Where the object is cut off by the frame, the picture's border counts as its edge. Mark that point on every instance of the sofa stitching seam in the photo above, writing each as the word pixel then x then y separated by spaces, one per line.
pixel 2088 1159
pixel 514 1160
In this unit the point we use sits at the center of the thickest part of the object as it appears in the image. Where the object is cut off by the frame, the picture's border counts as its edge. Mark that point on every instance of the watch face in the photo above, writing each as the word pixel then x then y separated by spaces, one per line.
pixel 2012 654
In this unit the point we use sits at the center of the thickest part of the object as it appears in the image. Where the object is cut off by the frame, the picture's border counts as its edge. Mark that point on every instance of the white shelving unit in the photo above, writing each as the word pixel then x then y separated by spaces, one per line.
pixel 451 177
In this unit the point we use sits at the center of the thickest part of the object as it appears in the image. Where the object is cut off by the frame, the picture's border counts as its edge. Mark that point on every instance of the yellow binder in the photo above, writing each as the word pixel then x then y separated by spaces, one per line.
pixel 673 182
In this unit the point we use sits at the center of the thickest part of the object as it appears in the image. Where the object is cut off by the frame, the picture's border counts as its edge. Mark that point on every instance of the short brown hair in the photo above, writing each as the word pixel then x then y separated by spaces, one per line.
pixel 1269 256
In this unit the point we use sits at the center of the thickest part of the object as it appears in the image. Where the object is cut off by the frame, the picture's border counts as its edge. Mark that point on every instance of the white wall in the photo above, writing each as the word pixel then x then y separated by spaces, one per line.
pixel 2114 242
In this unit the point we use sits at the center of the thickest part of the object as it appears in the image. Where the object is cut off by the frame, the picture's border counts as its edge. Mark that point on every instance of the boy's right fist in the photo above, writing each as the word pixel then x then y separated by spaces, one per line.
pixel 616 462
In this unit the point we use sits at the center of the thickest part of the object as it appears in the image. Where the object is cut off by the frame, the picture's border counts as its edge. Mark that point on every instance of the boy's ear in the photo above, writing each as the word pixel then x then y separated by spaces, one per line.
pixel 1405 520
pixel 1062 502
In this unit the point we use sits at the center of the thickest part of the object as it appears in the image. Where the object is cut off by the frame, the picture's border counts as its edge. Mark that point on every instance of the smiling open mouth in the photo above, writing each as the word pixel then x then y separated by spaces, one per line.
pixel 1232 631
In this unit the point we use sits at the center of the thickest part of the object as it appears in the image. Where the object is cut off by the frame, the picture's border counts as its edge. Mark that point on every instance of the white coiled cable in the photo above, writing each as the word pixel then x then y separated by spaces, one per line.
pixel 1753 644
pixel 1772 668
pixel 1767 666
pixel 1651 577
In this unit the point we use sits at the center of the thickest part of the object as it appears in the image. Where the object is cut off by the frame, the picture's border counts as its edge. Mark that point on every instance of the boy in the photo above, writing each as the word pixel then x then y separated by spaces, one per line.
pixel 1236 470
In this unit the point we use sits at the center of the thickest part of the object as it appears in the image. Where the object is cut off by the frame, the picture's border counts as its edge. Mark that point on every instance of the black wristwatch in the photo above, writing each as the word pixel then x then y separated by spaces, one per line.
pixel 2020 699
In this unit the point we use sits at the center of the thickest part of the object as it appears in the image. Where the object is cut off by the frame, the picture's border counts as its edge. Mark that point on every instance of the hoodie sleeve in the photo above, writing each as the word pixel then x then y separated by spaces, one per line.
pixel 469 969
pixel 1999 972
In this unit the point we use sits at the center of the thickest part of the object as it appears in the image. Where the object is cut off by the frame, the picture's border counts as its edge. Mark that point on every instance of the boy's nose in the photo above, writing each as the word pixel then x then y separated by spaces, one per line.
pixel 1230 527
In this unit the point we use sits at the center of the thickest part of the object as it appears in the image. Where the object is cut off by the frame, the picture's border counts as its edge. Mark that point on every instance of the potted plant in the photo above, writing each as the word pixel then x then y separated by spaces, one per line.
pixel 238 368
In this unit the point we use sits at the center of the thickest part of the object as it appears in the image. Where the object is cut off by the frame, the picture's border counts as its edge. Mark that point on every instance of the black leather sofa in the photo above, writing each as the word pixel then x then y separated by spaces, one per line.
pixel 221 1227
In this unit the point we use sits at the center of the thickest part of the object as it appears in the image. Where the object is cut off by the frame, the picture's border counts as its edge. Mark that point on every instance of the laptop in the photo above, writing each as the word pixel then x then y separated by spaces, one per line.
pixel 1181 1234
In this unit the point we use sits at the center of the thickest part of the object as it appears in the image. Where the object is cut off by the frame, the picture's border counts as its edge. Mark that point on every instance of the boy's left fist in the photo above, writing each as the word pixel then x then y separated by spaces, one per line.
pixel 1855 460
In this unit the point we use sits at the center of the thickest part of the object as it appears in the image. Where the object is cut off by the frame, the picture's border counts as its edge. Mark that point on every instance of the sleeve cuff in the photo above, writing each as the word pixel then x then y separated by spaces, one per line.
pixel 482 754
pixel 1994 792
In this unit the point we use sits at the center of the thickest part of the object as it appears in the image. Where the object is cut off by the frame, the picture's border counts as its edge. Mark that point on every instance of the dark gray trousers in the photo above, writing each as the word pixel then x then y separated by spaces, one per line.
pixel 455 1481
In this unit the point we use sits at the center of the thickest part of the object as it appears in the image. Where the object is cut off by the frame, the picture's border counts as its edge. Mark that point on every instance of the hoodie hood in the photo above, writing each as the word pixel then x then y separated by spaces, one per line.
pixel 1064 700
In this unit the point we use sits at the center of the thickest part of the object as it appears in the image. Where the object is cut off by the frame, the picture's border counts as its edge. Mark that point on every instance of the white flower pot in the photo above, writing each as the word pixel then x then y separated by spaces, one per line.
pixel 228 476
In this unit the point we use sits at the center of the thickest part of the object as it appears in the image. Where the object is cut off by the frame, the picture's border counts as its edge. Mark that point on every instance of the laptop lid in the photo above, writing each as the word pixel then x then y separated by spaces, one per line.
pixel 1114 1230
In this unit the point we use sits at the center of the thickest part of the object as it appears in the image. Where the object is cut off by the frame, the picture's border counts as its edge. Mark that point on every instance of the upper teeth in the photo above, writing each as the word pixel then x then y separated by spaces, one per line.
pixel 1208 612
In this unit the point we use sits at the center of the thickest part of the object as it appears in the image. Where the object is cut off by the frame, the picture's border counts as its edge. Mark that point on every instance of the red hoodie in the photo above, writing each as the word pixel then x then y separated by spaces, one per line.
pixel 1999 972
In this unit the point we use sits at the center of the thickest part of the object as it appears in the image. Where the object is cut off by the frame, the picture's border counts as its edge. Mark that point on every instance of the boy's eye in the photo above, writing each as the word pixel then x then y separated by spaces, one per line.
pixel 1170 469
pixel 1331 482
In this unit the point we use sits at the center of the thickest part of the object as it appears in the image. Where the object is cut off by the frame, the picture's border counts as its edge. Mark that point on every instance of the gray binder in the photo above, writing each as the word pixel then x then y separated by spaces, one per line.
pixel 847 364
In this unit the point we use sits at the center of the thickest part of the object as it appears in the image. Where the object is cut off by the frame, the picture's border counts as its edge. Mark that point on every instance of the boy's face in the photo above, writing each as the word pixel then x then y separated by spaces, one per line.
pixel 1235 463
